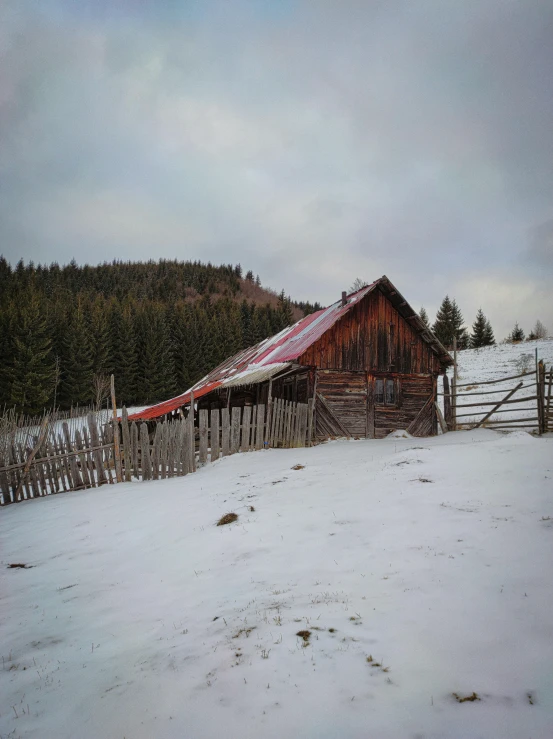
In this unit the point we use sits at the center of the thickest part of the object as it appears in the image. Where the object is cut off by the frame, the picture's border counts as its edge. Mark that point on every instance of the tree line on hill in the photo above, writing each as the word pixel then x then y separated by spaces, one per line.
pixel 159 327
pixel 450 325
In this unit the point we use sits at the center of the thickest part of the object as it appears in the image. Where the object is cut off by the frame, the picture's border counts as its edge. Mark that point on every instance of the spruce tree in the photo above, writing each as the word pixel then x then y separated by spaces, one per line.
pixel 517 334
pixel 156 374
pixel 123 354
pixel 449 325
pixel 443 326
pixel 489 338
pixel 32 364
pixel 424 316
pixel 482 333
pixel 285 311
pixel 77 370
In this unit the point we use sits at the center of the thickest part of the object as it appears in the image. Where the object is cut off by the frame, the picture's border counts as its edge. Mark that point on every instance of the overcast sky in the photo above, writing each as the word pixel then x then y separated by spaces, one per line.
pixel 312 142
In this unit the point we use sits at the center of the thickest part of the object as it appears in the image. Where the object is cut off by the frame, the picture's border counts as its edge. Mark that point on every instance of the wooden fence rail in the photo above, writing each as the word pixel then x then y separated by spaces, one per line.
pixel 532 412
pixel 61 461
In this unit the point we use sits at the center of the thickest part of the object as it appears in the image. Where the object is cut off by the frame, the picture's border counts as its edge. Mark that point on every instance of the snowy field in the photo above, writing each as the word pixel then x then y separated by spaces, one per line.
pixel 417 570
pixel 492 363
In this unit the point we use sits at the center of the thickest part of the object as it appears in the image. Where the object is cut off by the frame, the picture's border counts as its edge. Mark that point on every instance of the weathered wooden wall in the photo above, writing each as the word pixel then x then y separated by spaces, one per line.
pixel 373 336
pixel 346 405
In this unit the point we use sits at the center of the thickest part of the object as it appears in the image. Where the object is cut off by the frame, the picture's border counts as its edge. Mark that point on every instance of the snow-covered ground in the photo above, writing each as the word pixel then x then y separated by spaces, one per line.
pixel 420 568
pixel 492 363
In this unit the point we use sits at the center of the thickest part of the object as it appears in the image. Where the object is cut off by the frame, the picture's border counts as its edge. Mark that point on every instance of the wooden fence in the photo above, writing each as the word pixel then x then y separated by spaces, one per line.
pixel 57 462
pixel 526 398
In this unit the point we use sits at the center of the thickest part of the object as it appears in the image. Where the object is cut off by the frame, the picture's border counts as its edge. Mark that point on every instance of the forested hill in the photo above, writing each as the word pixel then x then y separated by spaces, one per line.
pixel 158 326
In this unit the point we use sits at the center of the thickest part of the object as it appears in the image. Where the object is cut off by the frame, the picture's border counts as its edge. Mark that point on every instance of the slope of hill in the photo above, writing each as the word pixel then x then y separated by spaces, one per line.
pixel 493 363
pixel 364 594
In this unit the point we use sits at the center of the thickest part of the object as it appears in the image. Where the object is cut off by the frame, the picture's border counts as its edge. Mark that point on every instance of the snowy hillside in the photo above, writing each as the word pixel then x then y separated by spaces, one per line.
pixel 364 590
pixel 492 363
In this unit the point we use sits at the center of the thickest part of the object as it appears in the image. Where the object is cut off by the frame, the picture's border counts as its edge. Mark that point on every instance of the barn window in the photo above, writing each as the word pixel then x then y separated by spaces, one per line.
pixel 385 392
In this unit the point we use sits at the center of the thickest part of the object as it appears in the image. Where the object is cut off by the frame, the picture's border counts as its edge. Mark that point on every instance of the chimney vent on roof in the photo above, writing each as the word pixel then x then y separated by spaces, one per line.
pixel 344 301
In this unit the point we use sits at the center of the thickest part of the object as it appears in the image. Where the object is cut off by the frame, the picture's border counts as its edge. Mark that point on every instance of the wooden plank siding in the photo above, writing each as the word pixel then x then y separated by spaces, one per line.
pixel 372 336
pixel 348 405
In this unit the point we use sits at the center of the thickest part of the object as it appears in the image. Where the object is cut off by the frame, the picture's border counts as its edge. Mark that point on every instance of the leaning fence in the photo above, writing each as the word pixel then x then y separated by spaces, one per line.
pixel 522 401
pixel 56 460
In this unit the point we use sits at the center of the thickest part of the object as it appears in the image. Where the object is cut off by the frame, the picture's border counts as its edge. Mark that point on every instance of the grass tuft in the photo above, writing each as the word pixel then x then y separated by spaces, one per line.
pixel 227 518
pixel 466 698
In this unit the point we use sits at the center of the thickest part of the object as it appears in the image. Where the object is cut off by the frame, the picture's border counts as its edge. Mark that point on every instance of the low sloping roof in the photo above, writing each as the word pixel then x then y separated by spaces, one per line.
pixel 273 355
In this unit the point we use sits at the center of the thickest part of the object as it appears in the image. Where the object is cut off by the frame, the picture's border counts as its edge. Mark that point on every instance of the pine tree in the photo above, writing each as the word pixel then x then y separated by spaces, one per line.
pixel 517 334
pixel 482 333
pixel 32 364
pixel 124 355
pixel 443 325
pixel 77 370
pixel 156 373
pixel 424 316
pixel 285 310
pixel 449 325
pixel 489 338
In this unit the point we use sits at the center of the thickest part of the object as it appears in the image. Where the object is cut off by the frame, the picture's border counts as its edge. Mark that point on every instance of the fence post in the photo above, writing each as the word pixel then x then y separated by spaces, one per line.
pixel 235 430
pixel 192 434
pixel 116 447
pixel 214 434
pixel 454 386
pixel 548 407
pixel 540 379
pixel 127 454
pixel 202 421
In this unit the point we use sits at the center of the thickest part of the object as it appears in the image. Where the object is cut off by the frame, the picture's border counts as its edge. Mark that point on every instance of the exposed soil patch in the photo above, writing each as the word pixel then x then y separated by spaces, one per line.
pixel 304 635
pixel 18 565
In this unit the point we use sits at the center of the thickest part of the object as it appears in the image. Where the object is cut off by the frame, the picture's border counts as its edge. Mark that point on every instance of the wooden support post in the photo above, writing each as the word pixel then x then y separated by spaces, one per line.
pixel 214 434
pixel 235 430
pixel 540 379
pixel 202 416
pixel 259 437
pixel 95 442
pixel 269 412
pixel 441 419
pixel 246 426
pixel 447 403
pixel 116 447
pixel 192 435
pixel 454 386
pixel 134 444
pixel 548 412
pixel 225 431
pixel 145 460
pixel 127 453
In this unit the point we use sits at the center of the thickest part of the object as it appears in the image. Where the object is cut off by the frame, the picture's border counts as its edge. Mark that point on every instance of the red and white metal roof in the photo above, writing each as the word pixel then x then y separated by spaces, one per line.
pixel 266 359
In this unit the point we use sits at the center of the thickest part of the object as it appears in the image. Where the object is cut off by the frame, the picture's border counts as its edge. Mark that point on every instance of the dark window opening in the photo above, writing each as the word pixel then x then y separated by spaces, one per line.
pixel 385 392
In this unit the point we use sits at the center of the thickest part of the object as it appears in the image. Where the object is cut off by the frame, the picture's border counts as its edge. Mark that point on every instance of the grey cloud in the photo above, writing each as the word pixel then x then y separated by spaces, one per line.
pixel 314 144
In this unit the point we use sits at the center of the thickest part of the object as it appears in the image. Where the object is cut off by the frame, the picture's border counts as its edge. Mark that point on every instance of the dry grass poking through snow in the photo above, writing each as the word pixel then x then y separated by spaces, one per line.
pixel 227 518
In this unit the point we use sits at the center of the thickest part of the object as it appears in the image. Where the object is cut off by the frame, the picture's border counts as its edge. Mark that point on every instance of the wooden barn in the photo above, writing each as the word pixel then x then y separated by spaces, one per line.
pixel 368 360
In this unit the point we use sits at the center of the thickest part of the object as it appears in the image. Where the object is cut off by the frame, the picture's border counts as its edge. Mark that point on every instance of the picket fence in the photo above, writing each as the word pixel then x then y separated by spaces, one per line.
pixel 58 461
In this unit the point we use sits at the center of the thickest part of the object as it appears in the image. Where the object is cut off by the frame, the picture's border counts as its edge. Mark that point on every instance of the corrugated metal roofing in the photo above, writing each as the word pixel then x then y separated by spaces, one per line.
pixel 270 356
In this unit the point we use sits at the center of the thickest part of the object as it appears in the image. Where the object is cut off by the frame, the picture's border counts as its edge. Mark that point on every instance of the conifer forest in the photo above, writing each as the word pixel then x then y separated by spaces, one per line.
pixel 157 326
